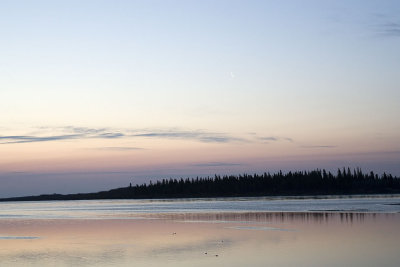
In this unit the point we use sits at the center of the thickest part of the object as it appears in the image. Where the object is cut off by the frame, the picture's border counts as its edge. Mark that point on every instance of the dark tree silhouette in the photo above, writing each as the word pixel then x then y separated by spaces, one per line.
pixel 316 182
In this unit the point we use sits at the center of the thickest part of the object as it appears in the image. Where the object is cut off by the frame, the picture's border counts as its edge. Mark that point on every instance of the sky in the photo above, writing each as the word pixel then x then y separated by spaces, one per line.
pixel 99 94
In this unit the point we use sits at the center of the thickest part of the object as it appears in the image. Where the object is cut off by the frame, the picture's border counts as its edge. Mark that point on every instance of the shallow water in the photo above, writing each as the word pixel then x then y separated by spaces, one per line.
pixel 206 232
pixel 138 208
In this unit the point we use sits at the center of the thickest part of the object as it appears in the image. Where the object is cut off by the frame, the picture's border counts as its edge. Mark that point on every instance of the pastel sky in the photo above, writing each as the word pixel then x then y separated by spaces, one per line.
pixel 97 94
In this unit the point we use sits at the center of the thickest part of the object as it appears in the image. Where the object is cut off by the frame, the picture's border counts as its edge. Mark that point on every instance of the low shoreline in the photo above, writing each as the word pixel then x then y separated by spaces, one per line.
pixel 72 197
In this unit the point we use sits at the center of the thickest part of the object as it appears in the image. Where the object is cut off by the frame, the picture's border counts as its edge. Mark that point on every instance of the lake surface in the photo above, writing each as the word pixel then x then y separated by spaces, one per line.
pixel 357 231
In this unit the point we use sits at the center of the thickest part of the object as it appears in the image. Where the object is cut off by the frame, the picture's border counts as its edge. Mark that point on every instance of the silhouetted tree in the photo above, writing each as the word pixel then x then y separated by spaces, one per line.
pixel 292 183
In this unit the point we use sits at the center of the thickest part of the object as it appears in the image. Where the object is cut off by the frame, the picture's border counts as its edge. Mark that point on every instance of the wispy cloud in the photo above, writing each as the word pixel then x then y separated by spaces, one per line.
pixel 274 139
pixel 268 138
pixel 94 132
pixel 80 130
pixel 390 29
pixel 45 134
pixel 17 139
pixel 201 136
pixel 385 24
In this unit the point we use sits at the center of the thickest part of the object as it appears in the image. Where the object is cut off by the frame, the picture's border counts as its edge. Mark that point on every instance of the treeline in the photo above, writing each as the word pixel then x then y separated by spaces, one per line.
pixel 316 182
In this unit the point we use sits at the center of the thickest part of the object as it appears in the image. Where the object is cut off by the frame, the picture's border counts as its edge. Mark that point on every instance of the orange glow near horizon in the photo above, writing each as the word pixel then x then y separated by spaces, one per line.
pixel 148 153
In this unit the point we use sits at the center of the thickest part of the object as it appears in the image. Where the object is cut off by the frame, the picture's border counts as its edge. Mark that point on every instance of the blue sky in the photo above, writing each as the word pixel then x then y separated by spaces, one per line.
pixel 95 94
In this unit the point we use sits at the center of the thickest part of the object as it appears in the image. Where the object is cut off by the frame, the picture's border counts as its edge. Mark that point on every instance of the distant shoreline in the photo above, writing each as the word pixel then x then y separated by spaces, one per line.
pixel 296 184
pixel 72 197
pixel 65 197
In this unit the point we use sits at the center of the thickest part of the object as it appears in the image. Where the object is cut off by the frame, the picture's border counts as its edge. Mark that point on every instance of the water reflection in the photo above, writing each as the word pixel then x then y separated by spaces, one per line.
pixel 276 217
pixel 206 239
pixel 136 208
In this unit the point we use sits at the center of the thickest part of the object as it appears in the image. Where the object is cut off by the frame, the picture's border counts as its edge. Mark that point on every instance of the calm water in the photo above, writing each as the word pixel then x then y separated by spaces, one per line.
pixel 119 209
pixel 360 231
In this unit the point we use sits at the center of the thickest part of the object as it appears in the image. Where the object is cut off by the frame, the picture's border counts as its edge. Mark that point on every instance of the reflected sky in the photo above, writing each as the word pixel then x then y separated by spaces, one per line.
pixel 206 239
